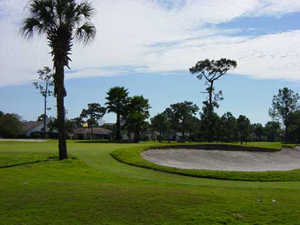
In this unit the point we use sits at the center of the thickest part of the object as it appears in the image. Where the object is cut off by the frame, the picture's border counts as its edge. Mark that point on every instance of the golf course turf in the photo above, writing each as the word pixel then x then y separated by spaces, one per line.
pixel 94 188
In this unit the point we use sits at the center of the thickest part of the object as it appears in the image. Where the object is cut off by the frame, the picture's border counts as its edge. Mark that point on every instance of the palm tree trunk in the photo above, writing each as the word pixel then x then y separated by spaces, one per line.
pixel 60 94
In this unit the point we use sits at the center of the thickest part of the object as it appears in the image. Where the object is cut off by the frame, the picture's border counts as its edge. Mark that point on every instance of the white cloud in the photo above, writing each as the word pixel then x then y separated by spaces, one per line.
pixel 155 38
pixel 272 56
pixel 276 7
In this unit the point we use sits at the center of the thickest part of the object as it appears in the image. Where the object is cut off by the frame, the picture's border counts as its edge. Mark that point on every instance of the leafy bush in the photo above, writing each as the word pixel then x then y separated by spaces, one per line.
pixel 10 125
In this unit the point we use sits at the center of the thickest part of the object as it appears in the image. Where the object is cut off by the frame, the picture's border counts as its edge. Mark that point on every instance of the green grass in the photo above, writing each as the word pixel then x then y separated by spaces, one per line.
pixel 97 189
pixel 289 145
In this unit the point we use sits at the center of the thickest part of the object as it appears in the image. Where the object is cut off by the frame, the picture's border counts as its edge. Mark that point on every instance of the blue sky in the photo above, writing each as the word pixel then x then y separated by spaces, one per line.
pixel 148 46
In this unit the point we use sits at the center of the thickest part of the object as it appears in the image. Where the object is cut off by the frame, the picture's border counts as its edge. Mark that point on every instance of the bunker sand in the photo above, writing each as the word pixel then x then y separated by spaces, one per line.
pixel 286 159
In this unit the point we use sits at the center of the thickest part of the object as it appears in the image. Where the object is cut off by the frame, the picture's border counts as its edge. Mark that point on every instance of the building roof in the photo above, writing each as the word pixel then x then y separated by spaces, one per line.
pixel 96 130
pixel 29 125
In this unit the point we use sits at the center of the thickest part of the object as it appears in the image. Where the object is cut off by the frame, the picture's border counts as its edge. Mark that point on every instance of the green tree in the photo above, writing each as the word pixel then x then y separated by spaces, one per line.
pixel 193 125
pixel 69 127
pixel 258 131
pixel 44 84
pixel 117 100
pixel 228 128
pixel 10 125
pixel 210 123
pixel 77 122
pixel 285 102
pixel 243 124
pixel 93 114
pixel 272 131
pixel 293 134
pixel 211 71
pixel 180 114
pixel 61 21
pixel 138 111
pixel 161 124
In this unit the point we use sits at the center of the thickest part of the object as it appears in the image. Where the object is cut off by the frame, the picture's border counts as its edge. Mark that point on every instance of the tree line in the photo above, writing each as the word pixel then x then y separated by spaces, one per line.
pixel 131 114
pixel 180 122
pixel 209 126
pixel 183 121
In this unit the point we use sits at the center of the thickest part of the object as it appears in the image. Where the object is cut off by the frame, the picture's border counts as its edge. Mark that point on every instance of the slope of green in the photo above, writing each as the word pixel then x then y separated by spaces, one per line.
pixel 94 188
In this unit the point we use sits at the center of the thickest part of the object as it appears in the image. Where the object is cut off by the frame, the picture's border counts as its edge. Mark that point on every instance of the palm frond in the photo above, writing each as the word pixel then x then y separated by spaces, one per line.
pixel 30 25
pixel 70 14
pixel 41 18
pixel 85 9
pixel 86 32
pixel 43 11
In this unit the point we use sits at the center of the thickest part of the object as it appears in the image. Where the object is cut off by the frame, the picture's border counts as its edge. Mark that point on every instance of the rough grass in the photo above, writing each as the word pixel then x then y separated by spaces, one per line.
pixel 96 189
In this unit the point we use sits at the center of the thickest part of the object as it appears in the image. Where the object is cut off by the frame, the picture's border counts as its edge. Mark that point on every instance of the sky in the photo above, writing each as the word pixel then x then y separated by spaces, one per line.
pixel 148 47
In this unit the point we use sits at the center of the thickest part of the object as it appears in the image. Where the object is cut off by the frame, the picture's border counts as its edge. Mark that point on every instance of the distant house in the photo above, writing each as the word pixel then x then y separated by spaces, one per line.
pixel 32 128
pixel 150 135
pixel 98 132
pixel 145 135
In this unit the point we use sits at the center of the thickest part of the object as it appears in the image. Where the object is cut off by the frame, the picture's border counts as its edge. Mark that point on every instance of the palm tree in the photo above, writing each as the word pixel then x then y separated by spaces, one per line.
pixel 61 21
pixel 117 99
pixel 138 111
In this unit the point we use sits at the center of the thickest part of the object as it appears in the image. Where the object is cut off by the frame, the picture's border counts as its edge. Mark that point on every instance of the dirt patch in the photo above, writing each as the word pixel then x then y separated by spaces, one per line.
pixel 287 159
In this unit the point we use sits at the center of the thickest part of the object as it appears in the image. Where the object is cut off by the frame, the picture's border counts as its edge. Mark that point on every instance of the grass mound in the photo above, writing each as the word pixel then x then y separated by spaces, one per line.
pixel 132 156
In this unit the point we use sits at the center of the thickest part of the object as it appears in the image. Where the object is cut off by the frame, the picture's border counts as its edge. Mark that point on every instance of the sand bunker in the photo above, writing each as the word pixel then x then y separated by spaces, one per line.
pixel 287 159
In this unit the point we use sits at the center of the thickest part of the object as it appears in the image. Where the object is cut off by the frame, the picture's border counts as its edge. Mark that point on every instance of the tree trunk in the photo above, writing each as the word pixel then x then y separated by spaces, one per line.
pixel 286 134
pixel 160 135
pixel 210 113
pixel 137 135
pixel 210 97
pixel 118 127
pixel 45 115
pixel 183 133
pixel 60 94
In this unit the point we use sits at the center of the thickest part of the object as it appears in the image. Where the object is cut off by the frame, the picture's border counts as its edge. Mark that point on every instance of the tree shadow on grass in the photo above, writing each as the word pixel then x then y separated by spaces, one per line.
pixel 50 158
pixel 102 141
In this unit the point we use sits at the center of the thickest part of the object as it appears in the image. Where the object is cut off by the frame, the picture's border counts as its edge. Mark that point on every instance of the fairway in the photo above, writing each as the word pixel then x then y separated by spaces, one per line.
pixel 94 188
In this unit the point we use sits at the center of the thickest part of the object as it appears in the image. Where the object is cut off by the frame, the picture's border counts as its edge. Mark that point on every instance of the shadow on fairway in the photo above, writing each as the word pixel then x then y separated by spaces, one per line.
pixel 51 158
